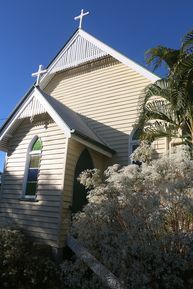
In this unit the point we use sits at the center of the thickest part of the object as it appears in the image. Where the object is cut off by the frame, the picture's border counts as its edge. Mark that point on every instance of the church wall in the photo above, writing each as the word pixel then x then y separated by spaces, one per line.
pixel 41 218
pixel 73 153
pixel 106 95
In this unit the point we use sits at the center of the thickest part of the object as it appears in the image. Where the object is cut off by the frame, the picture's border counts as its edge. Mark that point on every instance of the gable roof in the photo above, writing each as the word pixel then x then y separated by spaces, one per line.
pixel 80 48
pixel 74 122
pixel 69 121
pixel 83 47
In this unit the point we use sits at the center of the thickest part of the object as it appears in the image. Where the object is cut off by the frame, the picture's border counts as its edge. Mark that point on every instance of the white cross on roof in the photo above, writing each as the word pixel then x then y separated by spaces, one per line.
pixel 82 14
pixel 38 74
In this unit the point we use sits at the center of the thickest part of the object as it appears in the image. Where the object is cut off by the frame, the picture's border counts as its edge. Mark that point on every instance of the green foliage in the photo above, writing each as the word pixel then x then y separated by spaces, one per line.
pixel 143 153
pixel 90 178
pixel 172 115
pixel 22 265
pixel 160 54
pixel 139 224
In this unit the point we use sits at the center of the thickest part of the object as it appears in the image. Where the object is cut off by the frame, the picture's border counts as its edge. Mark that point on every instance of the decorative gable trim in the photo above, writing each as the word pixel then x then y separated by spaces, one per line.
pixel 36 103
pixel 39 104
pixel 80 51
pixel 83 47
pixel 117 55
pixel 33 108
pixel 54 115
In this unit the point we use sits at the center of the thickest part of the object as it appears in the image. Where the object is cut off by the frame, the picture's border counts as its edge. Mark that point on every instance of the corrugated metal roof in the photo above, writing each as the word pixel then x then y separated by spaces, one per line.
pixel 69 118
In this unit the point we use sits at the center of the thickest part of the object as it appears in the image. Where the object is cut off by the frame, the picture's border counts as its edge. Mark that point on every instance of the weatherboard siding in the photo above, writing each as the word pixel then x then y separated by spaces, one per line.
pixel 39 219
pixel 73 153
pixel 106 95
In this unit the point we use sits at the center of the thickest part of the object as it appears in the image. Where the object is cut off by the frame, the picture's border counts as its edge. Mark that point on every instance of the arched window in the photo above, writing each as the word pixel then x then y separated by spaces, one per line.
pixel 33 165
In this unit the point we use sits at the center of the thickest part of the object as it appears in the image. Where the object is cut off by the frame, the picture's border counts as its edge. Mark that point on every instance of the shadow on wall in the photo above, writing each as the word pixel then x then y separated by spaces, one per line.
pixel 124 144
pixel 113 138
pixel 85 68
pixel 39 219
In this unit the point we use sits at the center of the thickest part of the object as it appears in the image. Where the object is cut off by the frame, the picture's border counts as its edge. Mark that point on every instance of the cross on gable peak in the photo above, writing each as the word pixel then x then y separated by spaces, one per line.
pixel 38 74
pixel 80 17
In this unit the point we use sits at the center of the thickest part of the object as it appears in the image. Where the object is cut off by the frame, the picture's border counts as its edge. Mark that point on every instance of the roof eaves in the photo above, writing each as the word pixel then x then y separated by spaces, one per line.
pixel 32 87
pixel 69 39
pixel 103 146
pixel 16 108
pixel 119 56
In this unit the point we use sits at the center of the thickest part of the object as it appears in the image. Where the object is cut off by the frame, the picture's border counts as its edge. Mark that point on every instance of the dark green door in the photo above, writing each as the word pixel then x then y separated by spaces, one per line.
pixel 79 192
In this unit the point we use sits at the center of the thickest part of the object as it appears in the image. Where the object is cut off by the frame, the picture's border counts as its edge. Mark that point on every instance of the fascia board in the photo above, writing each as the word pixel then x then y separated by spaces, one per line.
pixel 117 55
pixel 53 63
pixel 46 105
pixel 92 146
pixel 16 115
pixel 55 116
pixel 114 53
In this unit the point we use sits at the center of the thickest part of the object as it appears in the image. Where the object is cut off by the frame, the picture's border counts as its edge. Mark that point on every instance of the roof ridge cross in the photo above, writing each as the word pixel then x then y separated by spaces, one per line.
pixel 38 74
pixel 80 17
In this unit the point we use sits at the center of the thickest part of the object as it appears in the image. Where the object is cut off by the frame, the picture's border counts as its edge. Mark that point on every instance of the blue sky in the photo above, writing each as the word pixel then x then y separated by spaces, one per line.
pixel 32 32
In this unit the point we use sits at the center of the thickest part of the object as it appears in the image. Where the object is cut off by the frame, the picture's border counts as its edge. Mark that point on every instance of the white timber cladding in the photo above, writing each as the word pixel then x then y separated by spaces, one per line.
pixel 40 219
pixel 33 108
pixel 35 104
pixel 80 51
pixel 106 95
pixel 74 54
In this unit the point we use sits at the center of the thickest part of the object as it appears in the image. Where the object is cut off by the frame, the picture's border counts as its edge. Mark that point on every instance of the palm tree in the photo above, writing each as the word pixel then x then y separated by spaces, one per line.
pixel 166 108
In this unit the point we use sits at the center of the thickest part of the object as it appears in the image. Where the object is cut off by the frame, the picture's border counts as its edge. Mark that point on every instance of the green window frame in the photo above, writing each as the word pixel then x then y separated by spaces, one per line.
pixel 33 167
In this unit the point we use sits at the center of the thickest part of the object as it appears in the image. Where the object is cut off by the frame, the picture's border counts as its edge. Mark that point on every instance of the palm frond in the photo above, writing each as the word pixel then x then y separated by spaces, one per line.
pixel 159 88
pixel 182 78
pixel 160 55
pixel 158 130
pixel 166 107
pixel 182 68
pixel 160 110
pixel 162 89
pixel 187 42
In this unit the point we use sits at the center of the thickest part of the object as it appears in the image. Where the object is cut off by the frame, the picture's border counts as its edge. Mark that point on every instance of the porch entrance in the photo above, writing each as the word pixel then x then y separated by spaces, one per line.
pixel 79 192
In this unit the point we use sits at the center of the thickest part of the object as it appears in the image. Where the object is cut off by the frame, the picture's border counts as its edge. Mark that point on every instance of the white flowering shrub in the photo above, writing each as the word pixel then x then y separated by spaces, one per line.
pixel 143 153
pixel 90 178
pixel 139 223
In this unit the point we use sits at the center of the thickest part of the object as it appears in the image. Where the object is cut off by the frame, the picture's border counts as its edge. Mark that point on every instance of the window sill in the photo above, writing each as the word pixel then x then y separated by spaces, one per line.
pixel 31 200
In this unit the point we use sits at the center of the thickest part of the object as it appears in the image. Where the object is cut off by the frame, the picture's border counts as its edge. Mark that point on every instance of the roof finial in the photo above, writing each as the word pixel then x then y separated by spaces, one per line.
pixel 82 14
pixel 38 74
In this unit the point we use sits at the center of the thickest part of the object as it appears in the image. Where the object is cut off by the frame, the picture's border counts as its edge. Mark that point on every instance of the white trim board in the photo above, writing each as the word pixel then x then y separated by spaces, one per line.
pixel 103 47
pixel 68 132
pixel 107 50
pixel 117 55
pixel 92 146
pixel 36 94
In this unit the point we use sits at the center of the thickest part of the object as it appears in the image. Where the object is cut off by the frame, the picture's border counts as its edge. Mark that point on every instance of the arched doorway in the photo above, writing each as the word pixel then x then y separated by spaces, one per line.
pixel 79 192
